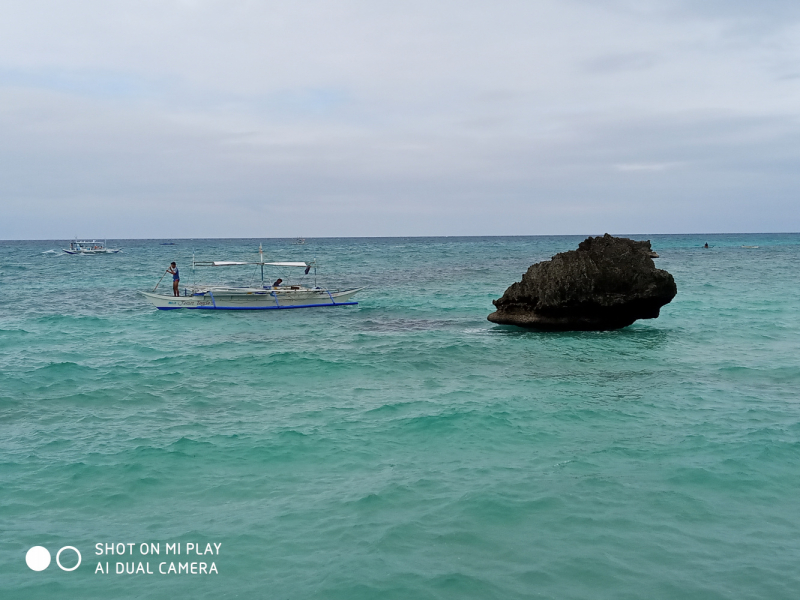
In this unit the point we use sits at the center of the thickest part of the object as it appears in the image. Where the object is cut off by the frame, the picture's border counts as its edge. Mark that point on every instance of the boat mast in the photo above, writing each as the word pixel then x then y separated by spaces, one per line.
pixel 261 258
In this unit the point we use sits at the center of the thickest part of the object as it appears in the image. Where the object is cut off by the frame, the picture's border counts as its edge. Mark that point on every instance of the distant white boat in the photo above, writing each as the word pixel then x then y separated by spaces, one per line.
pixel 300 241
pixel 262 297
pixel 87 247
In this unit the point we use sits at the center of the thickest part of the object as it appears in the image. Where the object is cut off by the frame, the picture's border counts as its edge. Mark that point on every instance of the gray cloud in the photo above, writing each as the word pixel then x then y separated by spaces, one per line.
pixel 354 118
pixel 621 62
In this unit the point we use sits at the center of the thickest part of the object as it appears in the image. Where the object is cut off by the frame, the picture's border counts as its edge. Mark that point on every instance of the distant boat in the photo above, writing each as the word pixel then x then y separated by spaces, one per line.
pixel 300 241
pixel 168 244
pixel 87 247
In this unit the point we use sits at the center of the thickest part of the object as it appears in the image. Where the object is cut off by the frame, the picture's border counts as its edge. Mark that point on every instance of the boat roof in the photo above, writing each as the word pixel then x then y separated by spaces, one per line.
pixel 233 263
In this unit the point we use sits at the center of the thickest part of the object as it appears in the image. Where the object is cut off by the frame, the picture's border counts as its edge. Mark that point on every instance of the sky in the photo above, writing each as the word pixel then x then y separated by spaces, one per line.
pixel 205 118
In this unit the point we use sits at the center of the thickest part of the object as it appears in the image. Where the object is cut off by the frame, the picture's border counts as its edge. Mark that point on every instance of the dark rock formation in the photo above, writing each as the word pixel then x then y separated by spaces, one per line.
pixel 607 283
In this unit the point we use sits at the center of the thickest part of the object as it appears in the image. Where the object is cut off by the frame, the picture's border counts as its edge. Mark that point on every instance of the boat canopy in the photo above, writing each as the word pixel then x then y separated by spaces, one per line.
pixel 233 263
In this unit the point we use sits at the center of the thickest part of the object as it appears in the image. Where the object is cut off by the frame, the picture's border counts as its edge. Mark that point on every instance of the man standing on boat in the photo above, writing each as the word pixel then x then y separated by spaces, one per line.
pixel 176 278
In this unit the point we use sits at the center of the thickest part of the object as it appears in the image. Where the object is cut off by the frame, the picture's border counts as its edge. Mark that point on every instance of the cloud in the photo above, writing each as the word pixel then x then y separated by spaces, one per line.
pixel 621 62
pixel 374 118
pixel 646 166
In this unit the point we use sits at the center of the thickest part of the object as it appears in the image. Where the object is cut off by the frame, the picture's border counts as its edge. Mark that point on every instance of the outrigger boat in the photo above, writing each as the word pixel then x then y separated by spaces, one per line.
pixel 263 297
pixel 87 247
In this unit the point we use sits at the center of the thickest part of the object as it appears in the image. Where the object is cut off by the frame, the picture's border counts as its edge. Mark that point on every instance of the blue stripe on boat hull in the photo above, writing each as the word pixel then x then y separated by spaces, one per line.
pixel 255 307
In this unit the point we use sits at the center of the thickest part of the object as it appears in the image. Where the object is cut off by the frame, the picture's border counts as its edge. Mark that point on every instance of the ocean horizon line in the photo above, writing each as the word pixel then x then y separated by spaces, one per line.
pixel 389 237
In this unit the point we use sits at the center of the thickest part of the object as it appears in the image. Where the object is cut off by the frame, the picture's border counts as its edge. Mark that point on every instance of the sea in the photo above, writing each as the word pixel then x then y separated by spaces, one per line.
pixel 403 448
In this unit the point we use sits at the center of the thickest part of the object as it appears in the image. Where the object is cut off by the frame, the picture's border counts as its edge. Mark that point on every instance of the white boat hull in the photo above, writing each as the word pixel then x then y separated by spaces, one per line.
pixel 253 299
pixel 92 252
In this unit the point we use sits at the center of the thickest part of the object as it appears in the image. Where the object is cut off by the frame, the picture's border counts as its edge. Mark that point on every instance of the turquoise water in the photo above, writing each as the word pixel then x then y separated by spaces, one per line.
pixel 404 447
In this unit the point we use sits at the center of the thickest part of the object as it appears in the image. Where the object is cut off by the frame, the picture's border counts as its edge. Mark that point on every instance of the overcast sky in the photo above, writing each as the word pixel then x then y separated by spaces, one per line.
pixel 201 118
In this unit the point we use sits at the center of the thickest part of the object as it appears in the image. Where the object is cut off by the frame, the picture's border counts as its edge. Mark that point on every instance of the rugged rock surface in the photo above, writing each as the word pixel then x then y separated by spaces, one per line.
pixel 607 283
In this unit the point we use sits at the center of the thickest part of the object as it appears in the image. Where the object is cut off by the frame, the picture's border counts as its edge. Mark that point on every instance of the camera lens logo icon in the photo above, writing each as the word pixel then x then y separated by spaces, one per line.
pixel 38 558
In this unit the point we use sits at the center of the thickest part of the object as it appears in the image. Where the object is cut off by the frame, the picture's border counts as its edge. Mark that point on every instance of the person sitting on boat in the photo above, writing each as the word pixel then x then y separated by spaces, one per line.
pixel 176 278
pixel 277 283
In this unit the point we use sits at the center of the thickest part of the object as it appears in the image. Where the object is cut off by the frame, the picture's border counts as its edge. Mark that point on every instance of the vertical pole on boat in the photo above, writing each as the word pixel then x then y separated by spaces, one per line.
pixel 261 258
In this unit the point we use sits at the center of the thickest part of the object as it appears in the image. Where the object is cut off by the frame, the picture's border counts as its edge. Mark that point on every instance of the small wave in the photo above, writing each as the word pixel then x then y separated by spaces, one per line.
pixel 63 366
pixel 10 332
pixel 404 324
pixel 478 330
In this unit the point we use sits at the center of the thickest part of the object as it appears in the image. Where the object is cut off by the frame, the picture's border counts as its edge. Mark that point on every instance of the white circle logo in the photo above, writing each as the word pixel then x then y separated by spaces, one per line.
pixel 58 562
pixel 38 558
